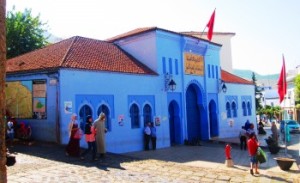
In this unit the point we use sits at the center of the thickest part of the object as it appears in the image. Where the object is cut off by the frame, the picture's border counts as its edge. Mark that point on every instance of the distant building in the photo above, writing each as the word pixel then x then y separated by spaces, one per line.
pixel 270 97
pixel 145 75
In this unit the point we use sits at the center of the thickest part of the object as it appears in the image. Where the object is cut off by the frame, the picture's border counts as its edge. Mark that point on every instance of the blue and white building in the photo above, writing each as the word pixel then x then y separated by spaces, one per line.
pixel 145 75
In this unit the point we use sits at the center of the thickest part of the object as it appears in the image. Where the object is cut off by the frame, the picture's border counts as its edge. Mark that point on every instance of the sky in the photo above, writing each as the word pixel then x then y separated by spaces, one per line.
pixel 265 29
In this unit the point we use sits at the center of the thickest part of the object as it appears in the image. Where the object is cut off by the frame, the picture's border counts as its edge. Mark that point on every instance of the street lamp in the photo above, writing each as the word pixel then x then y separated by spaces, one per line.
pixel 223 86
pixel 169 82
pixel 172 85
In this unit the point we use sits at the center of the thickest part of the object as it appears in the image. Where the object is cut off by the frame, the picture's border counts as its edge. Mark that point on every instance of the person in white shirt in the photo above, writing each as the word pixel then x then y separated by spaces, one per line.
pixel 147 135
pixel 10 132
pixel 243 138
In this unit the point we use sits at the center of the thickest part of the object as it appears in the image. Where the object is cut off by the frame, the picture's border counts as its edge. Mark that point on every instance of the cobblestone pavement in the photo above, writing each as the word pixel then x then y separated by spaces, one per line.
pixel 45 163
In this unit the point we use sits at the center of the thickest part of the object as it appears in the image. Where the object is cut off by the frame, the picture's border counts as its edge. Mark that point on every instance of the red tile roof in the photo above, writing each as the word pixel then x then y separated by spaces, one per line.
pixel 231 78
pixel 79 53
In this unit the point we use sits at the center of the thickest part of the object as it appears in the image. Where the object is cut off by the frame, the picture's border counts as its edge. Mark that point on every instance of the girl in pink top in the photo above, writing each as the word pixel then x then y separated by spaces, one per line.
pixel 90 133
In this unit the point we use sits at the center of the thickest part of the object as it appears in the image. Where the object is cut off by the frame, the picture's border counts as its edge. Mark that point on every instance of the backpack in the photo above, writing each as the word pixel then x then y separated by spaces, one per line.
pixel 87 129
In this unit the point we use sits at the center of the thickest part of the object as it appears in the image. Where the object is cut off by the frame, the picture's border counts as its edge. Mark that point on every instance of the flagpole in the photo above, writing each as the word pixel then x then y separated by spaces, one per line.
pixel 284 104
pixel 201 34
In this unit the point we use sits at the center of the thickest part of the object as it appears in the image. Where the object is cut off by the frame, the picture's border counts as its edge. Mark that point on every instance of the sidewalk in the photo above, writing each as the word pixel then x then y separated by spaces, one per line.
pixel 42 162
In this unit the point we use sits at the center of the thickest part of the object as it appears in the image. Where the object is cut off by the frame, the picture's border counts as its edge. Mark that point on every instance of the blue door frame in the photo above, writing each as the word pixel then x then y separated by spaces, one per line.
pixel 213 119
pixel 174 122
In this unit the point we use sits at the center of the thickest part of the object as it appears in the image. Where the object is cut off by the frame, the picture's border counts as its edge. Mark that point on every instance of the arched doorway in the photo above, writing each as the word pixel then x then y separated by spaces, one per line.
pixel 174 122
pixel 193 114
pixel 103 108
pixel 147 112
pixel 83 113
pixel 213 119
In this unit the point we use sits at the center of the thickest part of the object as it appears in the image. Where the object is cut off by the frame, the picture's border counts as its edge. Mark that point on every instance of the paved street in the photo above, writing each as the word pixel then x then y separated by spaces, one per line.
pixel 43 162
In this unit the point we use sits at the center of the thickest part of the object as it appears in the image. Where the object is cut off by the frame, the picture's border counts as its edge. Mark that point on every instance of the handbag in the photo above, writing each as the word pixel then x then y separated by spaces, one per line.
pixel 261 156
pixel 78 134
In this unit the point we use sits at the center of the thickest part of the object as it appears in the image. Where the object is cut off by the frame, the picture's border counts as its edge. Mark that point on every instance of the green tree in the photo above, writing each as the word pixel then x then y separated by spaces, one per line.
pixel 257 93
pixel 270 111
pixel 24 33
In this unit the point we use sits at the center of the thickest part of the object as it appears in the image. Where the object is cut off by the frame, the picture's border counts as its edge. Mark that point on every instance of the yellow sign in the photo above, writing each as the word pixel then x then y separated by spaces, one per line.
pixel 193 64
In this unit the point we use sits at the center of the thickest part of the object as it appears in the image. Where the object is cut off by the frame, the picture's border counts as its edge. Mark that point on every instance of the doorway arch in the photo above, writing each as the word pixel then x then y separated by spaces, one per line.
pixel 103 108
pixel 213 119
pixel 174 123
pixel 193 113
pixel 84 111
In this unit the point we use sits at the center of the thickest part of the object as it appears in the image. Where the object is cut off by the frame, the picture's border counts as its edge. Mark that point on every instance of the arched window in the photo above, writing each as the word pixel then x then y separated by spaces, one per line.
pixel 135 117
pixel 228 110
pixel 249 108
pixel 233 108
pixel 147 112
pixel 83 113
pixel 244 109
pixel 103 108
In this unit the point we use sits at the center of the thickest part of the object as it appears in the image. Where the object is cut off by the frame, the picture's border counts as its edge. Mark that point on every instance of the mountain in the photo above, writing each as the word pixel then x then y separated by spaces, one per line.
pixel 266 80
pixel 247 74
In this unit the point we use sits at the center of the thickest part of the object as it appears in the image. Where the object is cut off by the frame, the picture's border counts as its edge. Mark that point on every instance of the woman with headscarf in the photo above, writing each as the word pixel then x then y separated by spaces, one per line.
pixel 89 132
pixel 73 147
pixel 99 126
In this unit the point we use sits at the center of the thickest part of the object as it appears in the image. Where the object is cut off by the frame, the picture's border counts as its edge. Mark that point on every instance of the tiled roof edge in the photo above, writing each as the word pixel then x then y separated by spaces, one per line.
pixel 68 51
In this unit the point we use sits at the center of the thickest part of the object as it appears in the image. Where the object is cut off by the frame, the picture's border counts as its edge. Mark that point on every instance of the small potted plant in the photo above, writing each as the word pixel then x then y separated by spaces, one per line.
pixel 272 145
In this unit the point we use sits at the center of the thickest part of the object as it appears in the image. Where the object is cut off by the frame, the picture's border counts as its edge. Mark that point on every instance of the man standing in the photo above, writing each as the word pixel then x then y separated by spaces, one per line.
pixel 252 149
pixel 147 132
pixel 153 136
pixel 243 138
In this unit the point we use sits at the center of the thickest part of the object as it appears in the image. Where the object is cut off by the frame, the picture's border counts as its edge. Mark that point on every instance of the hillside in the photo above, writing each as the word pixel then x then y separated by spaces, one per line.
pixel 247 74
pixel 266 80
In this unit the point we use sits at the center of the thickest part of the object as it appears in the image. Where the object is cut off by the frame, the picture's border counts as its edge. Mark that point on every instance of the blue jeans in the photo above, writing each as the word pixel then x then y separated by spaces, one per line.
pixel 91 146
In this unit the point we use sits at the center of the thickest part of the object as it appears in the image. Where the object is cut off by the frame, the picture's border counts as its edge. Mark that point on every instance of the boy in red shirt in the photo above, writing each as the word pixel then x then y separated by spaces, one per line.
pixel 252 149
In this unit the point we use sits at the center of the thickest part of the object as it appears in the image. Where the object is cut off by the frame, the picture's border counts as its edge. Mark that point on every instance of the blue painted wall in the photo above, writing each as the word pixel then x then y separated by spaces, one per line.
pixel 126 89
pixel 230 126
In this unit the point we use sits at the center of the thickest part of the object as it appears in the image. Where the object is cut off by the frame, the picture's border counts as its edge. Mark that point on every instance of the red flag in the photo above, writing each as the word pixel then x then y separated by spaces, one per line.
pixel 282 82
pixel 210 26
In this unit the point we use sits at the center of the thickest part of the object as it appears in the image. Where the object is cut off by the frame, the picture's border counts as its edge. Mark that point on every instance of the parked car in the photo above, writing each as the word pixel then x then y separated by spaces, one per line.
pixel 292 124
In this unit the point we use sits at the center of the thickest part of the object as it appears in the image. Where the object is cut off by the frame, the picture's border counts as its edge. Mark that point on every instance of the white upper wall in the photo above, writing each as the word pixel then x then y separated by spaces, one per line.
pixel 143 47
pixel 225 54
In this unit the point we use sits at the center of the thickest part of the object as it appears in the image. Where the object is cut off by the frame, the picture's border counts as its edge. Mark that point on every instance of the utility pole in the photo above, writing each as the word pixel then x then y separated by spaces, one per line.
pixel 3 172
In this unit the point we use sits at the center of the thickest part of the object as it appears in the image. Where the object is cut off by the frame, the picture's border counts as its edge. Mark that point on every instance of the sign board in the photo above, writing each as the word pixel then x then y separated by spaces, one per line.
pixel 193 64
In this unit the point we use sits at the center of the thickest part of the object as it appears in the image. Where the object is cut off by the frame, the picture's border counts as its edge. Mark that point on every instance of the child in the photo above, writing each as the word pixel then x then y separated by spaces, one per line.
pixel 90 138
pixel 252 149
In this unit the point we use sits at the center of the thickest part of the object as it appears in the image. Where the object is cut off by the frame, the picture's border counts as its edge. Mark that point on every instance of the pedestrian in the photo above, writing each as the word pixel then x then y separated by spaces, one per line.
pixel 251 131
pixel 274 131
pixel 252 149
pixel 247 125
pixel 89 132
pixel 243 138
pixel 73 147
pixel 99 126
pixel 153 136
pixel 261 128
pixel 147 136
pixel 10 132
